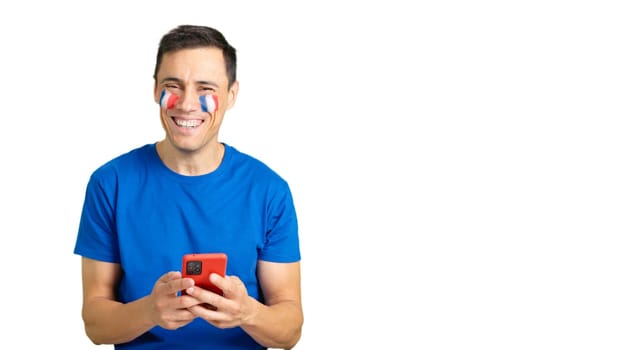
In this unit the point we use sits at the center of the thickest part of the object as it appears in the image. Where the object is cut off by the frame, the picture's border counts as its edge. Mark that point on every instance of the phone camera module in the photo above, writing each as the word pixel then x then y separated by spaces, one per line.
pixel 194 267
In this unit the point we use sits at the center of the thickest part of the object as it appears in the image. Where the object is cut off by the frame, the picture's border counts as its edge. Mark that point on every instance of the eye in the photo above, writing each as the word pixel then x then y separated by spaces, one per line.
pixel 171 86
pixel 207 89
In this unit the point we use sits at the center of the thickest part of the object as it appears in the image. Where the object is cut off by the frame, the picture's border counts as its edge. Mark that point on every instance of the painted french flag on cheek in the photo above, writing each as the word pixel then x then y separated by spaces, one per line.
pixel 209 103
pixel 168 99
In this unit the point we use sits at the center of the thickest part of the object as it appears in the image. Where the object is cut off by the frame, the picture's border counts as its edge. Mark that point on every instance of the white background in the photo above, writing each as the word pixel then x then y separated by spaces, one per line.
pixel 455 164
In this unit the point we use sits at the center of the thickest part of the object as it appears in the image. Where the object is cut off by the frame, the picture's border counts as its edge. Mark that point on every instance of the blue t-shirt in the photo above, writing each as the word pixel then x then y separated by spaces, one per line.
pixel 142 215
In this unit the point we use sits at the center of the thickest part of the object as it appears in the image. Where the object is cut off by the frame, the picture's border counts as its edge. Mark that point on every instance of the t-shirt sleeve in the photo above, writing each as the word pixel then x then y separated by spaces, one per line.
pixel 97 237
pixel 282 241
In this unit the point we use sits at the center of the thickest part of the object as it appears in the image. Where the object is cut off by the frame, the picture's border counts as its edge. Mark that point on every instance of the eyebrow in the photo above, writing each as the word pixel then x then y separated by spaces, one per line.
pixel 179 81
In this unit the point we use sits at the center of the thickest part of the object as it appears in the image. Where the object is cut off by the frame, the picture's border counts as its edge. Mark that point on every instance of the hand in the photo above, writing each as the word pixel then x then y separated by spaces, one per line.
pixel 167 309
pixel 229 310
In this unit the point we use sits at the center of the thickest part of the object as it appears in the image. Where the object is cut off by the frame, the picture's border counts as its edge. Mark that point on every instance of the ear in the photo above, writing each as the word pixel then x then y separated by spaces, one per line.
pixel 156 94
pixel 232 94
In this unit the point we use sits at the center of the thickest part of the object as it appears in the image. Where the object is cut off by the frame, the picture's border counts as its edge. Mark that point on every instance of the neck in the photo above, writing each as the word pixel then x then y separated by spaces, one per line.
pixel 191 163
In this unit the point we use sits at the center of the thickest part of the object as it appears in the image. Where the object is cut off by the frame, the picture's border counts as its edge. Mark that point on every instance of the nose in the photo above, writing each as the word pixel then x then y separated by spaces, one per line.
pixel 188 101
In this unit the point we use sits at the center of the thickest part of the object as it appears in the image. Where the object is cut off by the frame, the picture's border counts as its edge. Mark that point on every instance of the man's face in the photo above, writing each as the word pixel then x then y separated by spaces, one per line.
pixel 189 74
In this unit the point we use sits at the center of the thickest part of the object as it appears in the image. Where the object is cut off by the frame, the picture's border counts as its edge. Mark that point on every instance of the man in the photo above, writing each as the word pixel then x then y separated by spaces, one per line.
pixel 190 193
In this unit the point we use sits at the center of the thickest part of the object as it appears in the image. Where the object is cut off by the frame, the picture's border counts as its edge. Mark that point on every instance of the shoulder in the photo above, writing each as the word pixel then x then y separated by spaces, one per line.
pixel 253 167
pixel 124 163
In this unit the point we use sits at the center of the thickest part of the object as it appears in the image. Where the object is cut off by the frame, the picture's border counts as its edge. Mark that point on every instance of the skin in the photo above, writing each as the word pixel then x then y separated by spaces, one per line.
pixel 189 74
pixel 193 151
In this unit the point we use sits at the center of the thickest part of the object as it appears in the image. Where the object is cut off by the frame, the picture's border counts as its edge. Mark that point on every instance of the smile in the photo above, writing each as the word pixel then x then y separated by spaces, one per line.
pixel 187 123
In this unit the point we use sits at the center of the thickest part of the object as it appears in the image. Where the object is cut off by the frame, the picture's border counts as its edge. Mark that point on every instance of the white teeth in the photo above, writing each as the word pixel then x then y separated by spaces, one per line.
pixel 187 123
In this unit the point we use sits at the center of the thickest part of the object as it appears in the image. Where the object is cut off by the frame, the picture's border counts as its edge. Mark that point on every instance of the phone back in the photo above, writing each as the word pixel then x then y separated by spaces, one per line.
pixel 200 266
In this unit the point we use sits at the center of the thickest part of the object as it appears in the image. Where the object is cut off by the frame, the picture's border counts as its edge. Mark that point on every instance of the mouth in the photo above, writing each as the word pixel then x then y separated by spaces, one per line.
pixel 187 123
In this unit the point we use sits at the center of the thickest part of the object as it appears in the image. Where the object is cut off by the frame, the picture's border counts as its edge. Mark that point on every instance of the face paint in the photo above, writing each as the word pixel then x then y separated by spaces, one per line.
pixel 168 99
pixel 209 103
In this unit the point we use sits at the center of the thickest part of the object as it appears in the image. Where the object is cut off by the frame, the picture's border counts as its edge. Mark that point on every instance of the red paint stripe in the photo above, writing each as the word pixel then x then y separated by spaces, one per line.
pixel 172 100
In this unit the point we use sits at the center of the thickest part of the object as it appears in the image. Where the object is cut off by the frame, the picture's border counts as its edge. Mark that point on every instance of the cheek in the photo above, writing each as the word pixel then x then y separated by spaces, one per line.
pixel 209 103
pixel 163 118
pixel 168 100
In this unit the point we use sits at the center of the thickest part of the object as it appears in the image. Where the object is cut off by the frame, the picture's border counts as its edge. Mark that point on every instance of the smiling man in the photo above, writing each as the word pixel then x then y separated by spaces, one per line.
pixel 190 193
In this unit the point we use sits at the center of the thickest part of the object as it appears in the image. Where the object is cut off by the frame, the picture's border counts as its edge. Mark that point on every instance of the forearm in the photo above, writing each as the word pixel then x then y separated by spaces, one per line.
pixel 110 322
pixel 275 326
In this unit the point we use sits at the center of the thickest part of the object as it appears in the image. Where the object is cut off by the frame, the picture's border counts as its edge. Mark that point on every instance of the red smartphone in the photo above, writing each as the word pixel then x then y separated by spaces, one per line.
pixel 200 266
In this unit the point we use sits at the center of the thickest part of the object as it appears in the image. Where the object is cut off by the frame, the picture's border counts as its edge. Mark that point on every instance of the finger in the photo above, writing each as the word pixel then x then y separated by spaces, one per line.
pixel 179 284
pixel 220 282
pixel 186 301
pixel 172 282
pixel 169 276
pixel 163 284
pixel 179 319
pixel 183 283
pixel 231 286
pixel 215 317
pixel 208 312
pixel 207 297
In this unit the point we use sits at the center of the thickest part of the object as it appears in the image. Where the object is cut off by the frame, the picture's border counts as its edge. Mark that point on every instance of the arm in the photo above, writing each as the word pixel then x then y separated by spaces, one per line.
pixel 108 321
pixel 275 324
pixel 278 323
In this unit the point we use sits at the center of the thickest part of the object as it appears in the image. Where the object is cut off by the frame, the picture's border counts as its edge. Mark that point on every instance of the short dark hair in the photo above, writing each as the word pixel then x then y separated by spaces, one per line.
pixel 192 36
